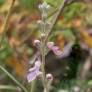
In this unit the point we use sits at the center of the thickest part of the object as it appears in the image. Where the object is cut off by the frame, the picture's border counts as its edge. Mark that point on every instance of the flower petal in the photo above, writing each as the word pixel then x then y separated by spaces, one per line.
pixel 50 45
pixel 34 72
pixel 56 51
pixel 38 64
pixel 31 76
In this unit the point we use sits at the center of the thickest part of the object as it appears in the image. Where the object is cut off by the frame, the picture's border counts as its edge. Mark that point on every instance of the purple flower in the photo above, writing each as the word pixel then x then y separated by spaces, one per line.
pixel 50 45
pixel 54 48
pixel 34 72
pixel 67 49
pixel 61 54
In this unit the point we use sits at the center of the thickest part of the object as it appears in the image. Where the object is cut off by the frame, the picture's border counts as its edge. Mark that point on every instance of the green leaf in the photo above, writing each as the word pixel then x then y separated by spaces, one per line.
pixel 74 10
pixel 54 3
pixel 29 4
pixel 1 2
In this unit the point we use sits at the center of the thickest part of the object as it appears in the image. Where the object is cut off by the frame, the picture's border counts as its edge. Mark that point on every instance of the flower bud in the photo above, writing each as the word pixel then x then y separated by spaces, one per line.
pixel 40 7
pixel 44 7
pixel 43 35
pixel 50 45
pixel 49 77
pixel 37 43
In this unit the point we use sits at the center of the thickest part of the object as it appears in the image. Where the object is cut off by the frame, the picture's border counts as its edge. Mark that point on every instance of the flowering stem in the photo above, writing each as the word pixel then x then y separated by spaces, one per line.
pixel 16 81
pixel 4 27
pixel 42 50
pixel 43 65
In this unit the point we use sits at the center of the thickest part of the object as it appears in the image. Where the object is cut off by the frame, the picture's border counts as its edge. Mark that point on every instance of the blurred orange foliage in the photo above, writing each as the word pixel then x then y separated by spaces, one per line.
pixel 86 38
pixel 18 66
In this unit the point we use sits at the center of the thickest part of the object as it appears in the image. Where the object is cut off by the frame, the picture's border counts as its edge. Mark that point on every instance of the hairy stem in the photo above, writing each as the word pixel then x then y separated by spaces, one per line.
pixel 42 67
pixel 43 46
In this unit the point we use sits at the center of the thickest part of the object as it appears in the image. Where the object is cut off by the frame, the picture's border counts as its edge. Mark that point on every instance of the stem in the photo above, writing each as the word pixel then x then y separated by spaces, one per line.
pixel 33 86
pixel 43 65
pixel 4 28
pixel 42 50
pixel 12 77
pixel 44 41
pixel 8 87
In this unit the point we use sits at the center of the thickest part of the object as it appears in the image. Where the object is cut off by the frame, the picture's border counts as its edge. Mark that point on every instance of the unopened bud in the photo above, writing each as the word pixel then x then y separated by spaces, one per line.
pixel 40 22
pixel 49 77
pixel 43 35
pixel 50 45
pixel 37 43
pixel 44 6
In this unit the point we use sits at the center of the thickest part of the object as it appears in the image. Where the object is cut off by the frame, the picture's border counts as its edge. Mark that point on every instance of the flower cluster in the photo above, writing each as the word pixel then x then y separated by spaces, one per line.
pixel 54 48
pixel 44 9
pixel 42 45
pixel 36 70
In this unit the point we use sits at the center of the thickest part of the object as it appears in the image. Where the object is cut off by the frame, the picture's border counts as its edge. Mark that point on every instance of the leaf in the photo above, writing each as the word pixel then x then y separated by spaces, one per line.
pixel 2 2
pixel 54 3
pixel 29 4
pixel 73 10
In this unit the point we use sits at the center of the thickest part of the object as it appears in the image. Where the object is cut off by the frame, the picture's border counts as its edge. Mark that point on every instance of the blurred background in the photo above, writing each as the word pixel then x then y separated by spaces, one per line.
pixel 17 49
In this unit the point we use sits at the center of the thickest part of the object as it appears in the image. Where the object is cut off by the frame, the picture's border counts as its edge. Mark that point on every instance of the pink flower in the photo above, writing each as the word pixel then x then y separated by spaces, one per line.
pixel 49 77
pixel 54 48
pixel 34 72
pixel 61 54
pixel 50 45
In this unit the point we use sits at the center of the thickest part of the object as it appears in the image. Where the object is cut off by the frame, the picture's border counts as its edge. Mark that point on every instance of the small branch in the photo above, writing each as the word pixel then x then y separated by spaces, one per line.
pixel 4 27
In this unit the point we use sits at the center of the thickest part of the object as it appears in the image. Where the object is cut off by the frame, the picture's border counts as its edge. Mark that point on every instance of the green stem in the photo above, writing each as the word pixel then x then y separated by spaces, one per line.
pixel 44 80
pixel 4 28
pixel 42 51
pixel 8 87
pixel 12 77
pixel 33 86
